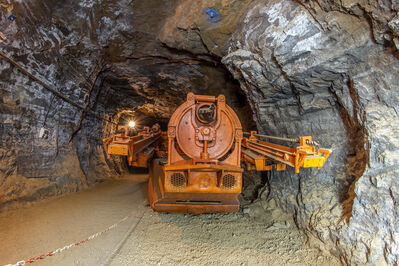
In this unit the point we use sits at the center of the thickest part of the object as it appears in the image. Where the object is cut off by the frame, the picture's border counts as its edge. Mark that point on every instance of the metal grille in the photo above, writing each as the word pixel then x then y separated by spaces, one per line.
pixel 178 180
pixel 229 181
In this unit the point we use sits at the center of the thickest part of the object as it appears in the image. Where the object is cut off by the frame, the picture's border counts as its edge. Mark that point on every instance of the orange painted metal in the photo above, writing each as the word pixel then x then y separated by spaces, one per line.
pixel 202 173
pixel 198 160
pixel 138 149
pixel 261 155
pixel 161 151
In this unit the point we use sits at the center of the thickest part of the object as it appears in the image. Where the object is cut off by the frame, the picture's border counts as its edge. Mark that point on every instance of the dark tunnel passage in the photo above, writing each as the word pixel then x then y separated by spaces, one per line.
pixel 149 91
pixel 71 72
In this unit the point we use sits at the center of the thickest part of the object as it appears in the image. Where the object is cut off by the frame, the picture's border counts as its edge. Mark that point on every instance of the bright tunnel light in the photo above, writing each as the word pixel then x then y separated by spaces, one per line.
pixel 132 124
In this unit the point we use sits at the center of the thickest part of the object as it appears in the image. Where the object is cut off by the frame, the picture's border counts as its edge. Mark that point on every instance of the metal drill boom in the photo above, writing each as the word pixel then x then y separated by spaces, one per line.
pixel 261 155
pixel 138 149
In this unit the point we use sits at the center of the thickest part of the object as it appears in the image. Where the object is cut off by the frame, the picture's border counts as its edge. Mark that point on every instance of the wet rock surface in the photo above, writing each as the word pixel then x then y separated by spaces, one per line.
pixel 322 68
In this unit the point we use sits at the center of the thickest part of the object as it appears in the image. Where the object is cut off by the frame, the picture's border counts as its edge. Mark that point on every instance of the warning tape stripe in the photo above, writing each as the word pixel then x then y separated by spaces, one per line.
pixel 59 250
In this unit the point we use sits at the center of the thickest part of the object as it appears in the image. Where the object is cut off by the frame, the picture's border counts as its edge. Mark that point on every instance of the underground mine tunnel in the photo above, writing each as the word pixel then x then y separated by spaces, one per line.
pixel 74 72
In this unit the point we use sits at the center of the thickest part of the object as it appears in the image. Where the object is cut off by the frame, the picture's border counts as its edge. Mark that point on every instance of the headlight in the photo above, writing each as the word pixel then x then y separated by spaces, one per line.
pixel 132 124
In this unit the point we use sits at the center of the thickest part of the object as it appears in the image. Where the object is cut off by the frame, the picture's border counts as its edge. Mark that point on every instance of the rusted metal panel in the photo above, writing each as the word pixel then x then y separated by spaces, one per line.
pixel 203 172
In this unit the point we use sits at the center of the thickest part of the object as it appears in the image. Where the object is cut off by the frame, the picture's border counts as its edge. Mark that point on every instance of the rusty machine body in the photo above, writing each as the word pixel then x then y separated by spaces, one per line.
pixel 201 171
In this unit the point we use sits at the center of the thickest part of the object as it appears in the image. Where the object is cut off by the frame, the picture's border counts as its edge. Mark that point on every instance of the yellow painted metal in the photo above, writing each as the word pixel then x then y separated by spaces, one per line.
pixel 281 166
pixel 260 155
pixel 118 149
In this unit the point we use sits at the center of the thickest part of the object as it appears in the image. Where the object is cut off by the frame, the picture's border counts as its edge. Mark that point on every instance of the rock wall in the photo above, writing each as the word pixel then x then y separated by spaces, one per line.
pixel 321 68
pixel 106 57
pixel 327 70
pixel 51 46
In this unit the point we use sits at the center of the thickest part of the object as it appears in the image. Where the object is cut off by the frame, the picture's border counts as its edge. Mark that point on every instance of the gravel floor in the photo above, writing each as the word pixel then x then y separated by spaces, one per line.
pixel 146 237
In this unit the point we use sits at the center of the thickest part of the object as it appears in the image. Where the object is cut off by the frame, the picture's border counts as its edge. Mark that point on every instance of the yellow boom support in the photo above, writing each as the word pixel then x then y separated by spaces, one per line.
pixel 261 155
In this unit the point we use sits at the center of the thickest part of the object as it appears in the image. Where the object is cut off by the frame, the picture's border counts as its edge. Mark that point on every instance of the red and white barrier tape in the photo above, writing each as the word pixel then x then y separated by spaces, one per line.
pixel 59 250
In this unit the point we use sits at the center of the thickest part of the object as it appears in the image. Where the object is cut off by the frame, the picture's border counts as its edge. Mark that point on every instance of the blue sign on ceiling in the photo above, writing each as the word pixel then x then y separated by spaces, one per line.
pixel 212 15
pixel 12 18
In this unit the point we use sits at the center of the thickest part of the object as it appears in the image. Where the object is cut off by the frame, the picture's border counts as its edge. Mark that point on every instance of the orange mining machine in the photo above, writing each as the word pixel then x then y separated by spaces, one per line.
pixel 138 148
pixel 201 170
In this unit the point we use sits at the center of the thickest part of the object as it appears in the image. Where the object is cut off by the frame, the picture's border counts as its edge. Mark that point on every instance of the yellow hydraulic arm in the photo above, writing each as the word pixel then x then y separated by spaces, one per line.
pixel 261 155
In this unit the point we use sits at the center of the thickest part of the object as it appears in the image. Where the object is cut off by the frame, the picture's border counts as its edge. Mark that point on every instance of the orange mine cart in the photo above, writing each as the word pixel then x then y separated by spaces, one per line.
pixel 202 173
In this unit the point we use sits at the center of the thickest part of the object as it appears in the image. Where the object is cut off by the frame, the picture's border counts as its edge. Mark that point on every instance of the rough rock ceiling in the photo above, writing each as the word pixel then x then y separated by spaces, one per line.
pixel 322 68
